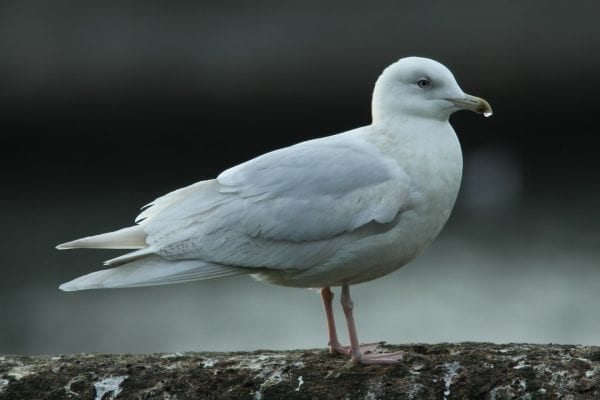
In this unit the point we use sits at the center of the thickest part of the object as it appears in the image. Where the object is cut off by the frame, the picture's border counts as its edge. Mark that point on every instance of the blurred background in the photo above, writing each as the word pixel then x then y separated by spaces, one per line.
pixel 105 105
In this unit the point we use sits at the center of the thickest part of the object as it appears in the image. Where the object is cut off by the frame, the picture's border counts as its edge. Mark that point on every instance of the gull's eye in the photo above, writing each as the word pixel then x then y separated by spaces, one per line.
pixel 423 83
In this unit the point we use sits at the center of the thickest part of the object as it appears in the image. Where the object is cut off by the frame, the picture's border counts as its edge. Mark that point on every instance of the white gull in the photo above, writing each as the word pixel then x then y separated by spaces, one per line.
pixel 334 211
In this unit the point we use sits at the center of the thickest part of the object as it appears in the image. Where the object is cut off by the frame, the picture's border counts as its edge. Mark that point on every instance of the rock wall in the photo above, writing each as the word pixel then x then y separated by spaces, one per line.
pixel 442 371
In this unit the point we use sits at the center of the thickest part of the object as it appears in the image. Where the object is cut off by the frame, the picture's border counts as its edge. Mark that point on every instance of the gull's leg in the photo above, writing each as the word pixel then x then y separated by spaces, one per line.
pixel 334 343
pixel 355 350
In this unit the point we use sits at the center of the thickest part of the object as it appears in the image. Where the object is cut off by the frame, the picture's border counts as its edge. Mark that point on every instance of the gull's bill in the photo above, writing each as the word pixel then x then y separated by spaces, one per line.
pixel 473 103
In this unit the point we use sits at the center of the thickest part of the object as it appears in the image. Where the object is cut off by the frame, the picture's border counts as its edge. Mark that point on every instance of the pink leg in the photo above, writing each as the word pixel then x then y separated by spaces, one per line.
pixel 334 343
pixel 355 350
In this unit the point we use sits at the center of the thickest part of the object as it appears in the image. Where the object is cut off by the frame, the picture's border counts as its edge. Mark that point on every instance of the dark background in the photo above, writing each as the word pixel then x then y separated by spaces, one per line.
pixel 106 105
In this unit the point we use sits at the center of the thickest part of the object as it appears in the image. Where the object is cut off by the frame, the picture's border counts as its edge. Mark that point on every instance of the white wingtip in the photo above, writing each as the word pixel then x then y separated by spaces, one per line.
pixel 94 280
pixel 77 284
pixel 150 271
pixel 67 245
pixel 66 287
pixel 132 237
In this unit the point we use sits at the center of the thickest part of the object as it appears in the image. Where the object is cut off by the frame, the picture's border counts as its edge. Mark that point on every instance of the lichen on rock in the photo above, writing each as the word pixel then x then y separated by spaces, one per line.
pixel 451 371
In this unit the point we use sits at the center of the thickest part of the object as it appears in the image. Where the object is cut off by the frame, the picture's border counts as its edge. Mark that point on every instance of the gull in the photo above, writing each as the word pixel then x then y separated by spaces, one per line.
pixel 334 211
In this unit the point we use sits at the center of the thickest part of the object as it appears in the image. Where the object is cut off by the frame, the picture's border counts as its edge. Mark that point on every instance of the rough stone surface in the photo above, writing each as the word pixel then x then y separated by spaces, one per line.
pixel 442 371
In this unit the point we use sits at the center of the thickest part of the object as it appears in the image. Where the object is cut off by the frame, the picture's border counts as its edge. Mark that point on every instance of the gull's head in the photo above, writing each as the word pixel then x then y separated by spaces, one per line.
pixel 420 87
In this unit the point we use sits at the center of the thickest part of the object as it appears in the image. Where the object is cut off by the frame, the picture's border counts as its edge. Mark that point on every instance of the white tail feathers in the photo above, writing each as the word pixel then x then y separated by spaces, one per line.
pixel 150 271
pixel 132 237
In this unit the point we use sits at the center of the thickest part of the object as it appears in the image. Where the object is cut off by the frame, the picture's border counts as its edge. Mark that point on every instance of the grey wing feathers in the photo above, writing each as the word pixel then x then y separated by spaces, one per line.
pixel 283 209
pixel 315 191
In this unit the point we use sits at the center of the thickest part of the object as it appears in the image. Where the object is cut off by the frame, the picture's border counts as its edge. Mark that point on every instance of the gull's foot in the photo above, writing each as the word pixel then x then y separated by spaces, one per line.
pixel 379 358
pixel 365 348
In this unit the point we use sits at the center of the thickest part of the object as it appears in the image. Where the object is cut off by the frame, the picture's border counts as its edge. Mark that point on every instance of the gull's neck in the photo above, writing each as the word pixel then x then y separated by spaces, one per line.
pixel 386 117
pixel 408 126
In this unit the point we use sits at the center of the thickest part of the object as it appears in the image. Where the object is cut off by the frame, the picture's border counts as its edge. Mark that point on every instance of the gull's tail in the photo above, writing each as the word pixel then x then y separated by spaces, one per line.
pixel 132 237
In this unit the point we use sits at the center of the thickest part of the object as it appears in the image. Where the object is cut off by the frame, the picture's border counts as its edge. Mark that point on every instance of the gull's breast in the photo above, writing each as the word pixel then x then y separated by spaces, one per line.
pixel 434 168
